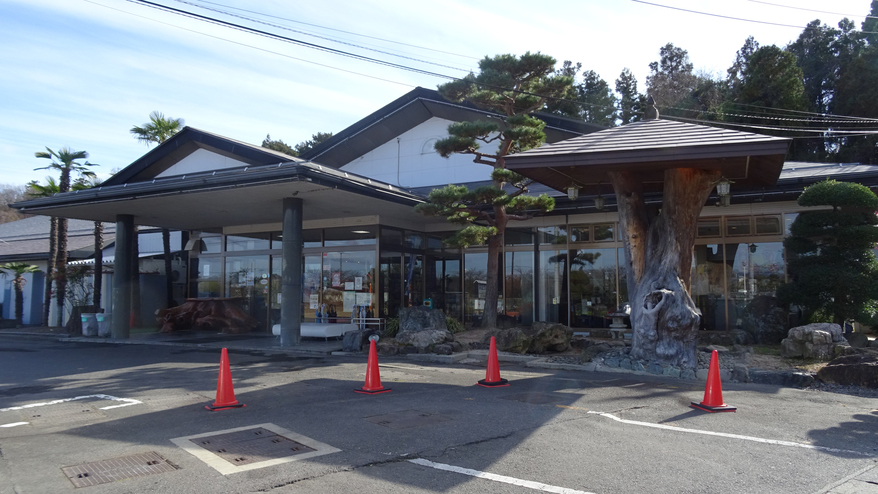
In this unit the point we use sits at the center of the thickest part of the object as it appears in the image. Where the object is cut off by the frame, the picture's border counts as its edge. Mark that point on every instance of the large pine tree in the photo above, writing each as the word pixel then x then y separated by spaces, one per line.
pixel 513 87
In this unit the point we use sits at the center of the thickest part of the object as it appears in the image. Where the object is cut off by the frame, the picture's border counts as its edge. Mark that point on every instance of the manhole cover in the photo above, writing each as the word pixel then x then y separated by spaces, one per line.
pixel 247 448
pixel 407 419
pixel 251 446
pixel 125 467
pixel 533 398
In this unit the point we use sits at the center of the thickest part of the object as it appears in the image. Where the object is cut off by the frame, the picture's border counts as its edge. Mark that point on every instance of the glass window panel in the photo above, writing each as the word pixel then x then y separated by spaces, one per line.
pixel 348 281
pixel 311 277
pixel 352 235
pixel 274 294
pixel 788 220
pixel 552 235
pixel 738 226
pixel 519 292
pixel 581 233
pixel 708 287
pixel 767 225
pixel 212 243
pixel 434 242
pixel 708 227
pixel 247 280
pixel 518 237
pixel 592 287
pixel 391 283
pixel 475 277
pixel 210 276
pixel 414 240
pixel 603 232
pixel 756 269
pixel 391 236
pixel 250 241
pixel 553 286
pixel 311 239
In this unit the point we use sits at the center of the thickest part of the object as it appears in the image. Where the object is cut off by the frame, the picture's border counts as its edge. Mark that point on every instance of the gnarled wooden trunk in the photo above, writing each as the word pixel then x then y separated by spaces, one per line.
pixel 658 248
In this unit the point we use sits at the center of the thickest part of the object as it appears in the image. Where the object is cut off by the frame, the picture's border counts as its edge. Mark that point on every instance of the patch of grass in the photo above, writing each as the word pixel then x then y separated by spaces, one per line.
pixel 453 325
pixel 391 327
pixel 766 350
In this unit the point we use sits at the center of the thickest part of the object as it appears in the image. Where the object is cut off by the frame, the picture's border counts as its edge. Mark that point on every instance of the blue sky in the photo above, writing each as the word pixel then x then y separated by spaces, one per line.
pixel 81 73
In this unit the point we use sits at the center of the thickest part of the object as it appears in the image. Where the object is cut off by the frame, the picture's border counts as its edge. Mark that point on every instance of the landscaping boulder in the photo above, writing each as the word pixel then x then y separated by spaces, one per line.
pixel 852 370
pixel 765 320
pixel 424 339
pixel 420 318
pixel 858 340
pixel 513 340
pixel 353 341
pixel 550 337
pixel 816 340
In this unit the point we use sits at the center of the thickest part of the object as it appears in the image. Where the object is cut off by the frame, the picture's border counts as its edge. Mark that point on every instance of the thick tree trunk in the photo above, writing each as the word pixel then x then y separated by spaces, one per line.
pixel 99 265
pixel 50 268
pixel 492 294
pixel 658 248
pixel 18 284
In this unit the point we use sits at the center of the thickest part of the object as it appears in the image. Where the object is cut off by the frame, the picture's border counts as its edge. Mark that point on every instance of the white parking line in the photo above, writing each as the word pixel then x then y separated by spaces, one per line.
pixel 14 424
pixel 732 436
pixel 497 478
pixel 126 402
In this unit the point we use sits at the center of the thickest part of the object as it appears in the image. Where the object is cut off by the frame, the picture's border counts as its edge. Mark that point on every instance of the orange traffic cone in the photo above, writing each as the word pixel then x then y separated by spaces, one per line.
pixel 713 392
pixel 492 376
pixel 225 395
pixel 373 378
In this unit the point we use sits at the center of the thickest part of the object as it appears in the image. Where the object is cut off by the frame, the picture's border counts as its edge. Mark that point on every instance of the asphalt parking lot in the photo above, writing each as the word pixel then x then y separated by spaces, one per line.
pixel 72 408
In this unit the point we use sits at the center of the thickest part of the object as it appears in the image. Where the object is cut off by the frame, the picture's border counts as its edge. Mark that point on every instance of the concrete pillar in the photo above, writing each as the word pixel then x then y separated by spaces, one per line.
pixel 537 296
pixel 122 276
pixel 291 276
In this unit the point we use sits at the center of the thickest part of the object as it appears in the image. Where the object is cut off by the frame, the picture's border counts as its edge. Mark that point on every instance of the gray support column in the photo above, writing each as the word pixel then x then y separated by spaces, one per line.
pixel 122 276
pixel 291 277
pixel 538 302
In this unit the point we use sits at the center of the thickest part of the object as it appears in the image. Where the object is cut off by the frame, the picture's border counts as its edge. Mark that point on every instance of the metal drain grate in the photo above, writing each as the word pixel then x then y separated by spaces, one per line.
pixel 406 419
pixel 251 446
pixel 532 398
pixel 125 467
pixel 247 448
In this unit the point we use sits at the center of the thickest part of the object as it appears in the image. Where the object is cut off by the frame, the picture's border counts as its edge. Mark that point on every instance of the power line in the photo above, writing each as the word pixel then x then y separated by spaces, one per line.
pixel 782 111
pixel 341 30
pixel 843 132
pixel 321 37
pixel 813 10
pixel 847 120
pixel 269 35
pixel 718 15
pixel 251 46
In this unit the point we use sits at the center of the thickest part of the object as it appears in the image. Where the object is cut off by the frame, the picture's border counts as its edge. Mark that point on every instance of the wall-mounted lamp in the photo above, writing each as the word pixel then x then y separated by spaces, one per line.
pixel 752 248
pixel 573 192
pixel 599 202
pixel 723 186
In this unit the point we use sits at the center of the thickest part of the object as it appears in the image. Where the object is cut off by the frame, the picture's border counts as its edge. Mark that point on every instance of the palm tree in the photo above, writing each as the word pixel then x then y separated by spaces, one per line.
pixel 35 189
pixel 158 130
pixel 65 161
pixel 18 269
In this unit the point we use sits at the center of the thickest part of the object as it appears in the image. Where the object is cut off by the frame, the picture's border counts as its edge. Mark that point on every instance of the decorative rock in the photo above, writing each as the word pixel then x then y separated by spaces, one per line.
pixel 352 341
pixel 456 346
pixel 790 379
pixel 385 347
pixel 765 320
pixel 405 350
pixel 858 340
pixel 856 370
pixel 420 318
pixel 873 343
pixel 552 338
pixel 637 366
pixel 611 362
pixel 812 341
pixel 511 340
pixel 674 372
pixel 701 374
pixel 425 338
pixel 718 348
pixel 689 374
pixel 443 349
pixel 625 363
pixel 741 373
pixel 655 368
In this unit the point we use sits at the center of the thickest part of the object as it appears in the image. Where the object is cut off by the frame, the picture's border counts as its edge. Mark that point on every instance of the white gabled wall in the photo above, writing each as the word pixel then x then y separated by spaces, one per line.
pixel 411 160
pixel 201 160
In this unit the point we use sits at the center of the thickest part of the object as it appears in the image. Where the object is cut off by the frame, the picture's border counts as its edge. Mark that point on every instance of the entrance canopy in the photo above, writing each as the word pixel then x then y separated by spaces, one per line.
pixel 249 190
pixel 650 147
